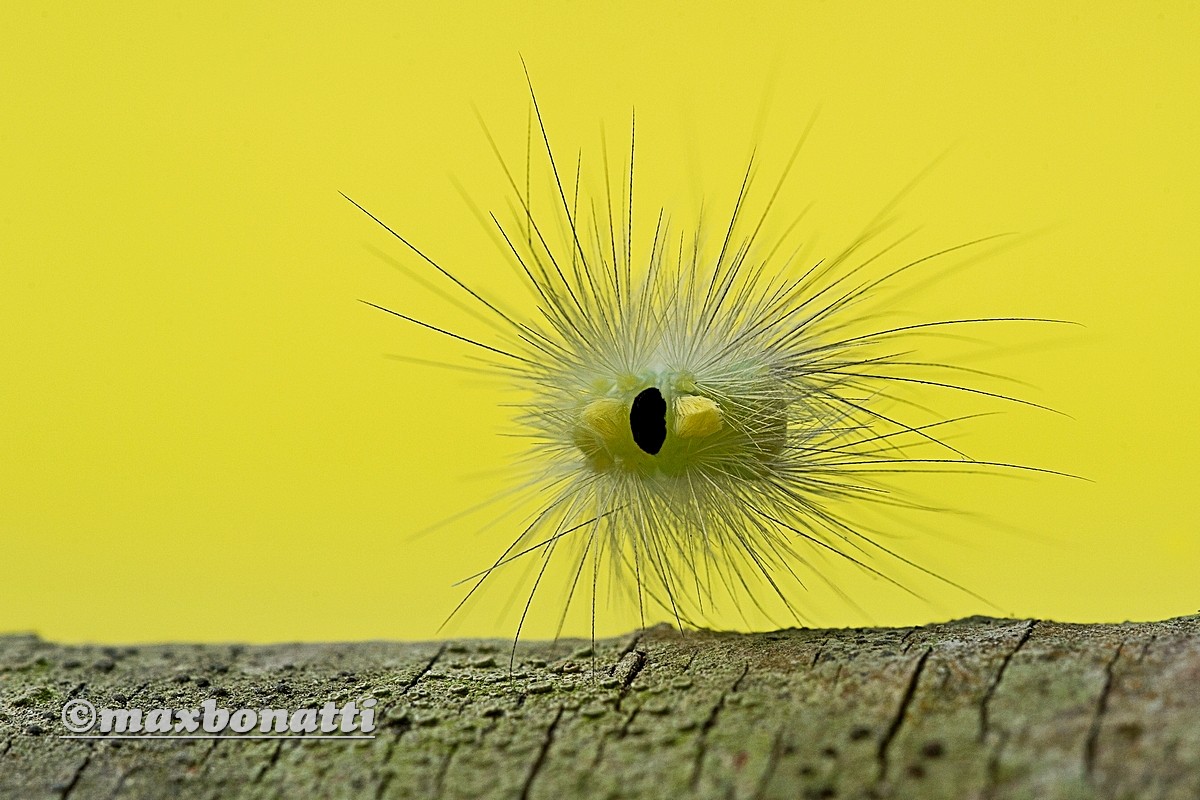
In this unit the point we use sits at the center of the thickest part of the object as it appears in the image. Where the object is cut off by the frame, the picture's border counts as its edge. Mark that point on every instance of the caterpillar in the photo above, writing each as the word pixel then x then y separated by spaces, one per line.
pixel 703 414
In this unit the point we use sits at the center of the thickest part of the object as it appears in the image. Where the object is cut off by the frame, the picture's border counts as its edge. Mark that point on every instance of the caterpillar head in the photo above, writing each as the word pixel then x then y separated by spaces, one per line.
pixel 666 423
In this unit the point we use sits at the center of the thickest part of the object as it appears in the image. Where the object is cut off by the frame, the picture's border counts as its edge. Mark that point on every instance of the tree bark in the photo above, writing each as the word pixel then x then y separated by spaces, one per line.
pixel 979 708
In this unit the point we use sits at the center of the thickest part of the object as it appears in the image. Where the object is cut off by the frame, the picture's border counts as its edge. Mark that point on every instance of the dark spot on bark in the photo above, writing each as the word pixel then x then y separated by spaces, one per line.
pixel 933 750
pixel 1130 730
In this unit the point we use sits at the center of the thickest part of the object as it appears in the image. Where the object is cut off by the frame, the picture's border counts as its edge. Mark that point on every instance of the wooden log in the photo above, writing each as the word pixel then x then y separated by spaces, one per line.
pixel 978 708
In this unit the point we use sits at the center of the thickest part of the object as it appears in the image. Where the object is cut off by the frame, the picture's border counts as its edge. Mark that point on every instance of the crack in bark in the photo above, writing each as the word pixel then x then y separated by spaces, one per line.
pixel 820 649
pixel 267 767
pixel 402 727
pixel 439 781
pixel 444 767
pixel 993 766
pixel 626 670
pixel 201 766
pixel 628 667
pixel 634 641
pixel 121 782
pixel 423 671
pixel 773 759
pixel 990 692
pixel 388 775
pixel 702 749
pixel 384 783
pixel 628 723
pixel 1146 648
pixel 620 733
pixel 901 713
pixel 541 756
pixel 70 787
pixel 1093 737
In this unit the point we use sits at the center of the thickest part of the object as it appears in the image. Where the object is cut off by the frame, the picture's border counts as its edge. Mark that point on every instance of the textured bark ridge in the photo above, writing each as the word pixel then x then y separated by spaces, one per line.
pixel 978 708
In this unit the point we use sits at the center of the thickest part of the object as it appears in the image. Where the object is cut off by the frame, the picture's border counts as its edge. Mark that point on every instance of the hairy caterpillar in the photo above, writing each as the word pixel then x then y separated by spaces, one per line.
pixel 704 414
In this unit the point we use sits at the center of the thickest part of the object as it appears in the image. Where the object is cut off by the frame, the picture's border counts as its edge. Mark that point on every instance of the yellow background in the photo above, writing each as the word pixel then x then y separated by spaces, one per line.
pixel 201 435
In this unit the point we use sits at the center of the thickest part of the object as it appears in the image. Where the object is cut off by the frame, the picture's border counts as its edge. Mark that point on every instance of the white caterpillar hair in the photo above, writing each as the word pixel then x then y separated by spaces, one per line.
pixel 702 414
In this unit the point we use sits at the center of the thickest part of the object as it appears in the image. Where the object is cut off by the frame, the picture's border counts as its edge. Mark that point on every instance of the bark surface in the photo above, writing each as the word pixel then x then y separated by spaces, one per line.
pixel 979 708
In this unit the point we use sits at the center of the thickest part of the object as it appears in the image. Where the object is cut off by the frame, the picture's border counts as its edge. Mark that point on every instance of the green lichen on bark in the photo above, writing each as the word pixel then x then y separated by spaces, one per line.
pixel 978 708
